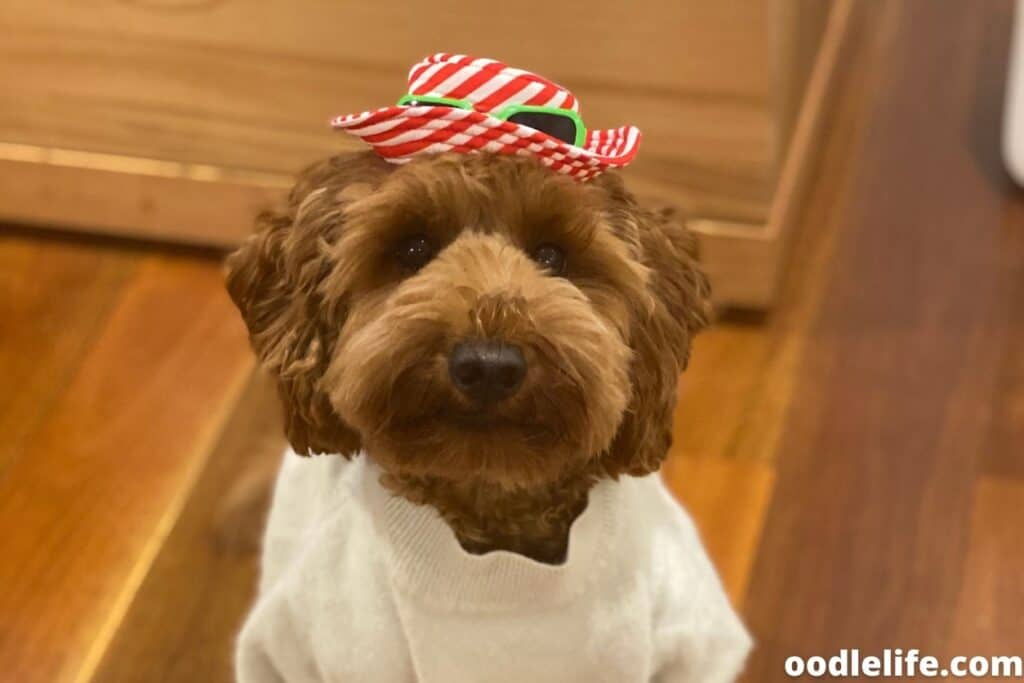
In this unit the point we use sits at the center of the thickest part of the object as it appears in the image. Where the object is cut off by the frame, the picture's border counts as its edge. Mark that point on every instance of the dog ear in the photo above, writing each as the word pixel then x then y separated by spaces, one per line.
pixel 663 329
pixel 274 278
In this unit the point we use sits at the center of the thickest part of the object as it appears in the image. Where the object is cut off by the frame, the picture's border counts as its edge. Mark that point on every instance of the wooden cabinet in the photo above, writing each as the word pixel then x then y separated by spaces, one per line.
pixel 178 119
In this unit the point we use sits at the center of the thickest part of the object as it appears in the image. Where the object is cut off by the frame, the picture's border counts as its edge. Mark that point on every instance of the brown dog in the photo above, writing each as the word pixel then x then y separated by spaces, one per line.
pixel 497 336
pixel 500 346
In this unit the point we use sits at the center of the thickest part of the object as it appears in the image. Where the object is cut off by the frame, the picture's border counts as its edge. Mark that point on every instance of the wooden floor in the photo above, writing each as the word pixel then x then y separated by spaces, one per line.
pixel 855 459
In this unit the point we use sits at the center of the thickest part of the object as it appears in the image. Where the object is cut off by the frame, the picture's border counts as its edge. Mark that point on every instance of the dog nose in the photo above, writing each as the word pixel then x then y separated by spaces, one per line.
pixel 486 371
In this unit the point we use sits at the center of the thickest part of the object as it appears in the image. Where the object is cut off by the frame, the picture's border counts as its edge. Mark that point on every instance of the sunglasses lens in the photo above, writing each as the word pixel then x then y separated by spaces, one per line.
pixel 428 103
pixel 555 125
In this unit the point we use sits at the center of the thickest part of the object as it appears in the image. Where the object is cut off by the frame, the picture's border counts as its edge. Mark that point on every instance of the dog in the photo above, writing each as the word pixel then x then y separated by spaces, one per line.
pixel 483 354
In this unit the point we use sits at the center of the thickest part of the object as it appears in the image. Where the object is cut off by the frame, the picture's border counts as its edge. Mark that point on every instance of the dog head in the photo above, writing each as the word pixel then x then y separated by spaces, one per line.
pixel 468 316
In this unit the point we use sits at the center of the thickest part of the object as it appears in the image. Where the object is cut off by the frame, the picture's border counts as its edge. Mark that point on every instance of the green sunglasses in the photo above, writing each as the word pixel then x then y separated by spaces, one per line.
pixel 563 124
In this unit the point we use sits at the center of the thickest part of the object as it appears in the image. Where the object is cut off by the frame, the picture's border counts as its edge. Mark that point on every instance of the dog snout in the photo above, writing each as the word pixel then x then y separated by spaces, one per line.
pixel 486 371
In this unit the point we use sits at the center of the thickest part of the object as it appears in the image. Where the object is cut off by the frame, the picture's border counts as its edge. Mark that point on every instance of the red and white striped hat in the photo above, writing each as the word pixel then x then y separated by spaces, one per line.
pixel 483 91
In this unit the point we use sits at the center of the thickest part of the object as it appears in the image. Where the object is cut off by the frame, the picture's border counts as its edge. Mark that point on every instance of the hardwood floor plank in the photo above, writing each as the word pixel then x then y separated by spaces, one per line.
pixel 183 621
pixel 988 613
pixel 865 539
pixel 728 500
pixel 1004 454
pixel 721 389
pixel 101 478
pixel 54 298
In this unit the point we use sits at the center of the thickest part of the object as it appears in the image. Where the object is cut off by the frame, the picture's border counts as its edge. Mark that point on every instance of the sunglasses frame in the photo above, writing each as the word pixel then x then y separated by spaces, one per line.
pixel 503 114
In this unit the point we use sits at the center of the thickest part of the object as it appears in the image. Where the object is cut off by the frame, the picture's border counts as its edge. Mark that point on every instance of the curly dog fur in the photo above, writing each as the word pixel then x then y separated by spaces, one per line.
pixel 358 341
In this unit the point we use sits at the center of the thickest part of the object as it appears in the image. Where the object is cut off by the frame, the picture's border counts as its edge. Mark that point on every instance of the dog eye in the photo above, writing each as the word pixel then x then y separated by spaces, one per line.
pixel 415 251
pixel 550 257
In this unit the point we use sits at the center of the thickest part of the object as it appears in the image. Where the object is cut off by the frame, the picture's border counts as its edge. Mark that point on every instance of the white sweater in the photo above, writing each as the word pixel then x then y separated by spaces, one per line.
pixel 360 585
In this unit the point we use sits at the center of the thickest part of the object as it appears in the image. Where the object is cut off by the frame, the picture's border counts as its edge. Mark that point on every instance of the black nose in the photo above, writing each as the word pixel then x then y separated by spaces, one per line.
pixel 486 371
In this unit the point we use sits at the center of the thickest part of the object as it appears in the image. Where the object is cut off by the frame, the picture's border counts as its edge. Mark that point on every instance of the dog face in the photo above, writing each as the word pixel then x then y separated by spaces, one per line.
pixel 472 317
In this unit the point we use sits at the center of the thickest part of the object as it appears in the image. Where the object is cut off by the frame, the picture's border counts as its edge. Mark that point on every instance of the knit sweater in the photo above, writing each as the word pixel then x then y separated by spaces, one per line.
pixel 360 585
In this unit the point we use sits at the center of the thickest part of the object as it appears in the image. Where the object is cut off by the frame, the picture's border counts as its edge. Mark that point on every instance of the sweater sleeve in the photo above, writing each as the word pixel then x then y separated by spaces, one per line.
pixel 303 532
pixel 271 647
pixel 703 659
pixel 698 637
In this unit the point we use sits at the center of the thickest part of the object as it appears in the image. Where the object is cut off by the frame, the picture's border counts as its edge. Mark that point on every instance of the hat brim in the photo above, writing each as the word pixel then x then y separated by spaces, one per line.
pixel 398 133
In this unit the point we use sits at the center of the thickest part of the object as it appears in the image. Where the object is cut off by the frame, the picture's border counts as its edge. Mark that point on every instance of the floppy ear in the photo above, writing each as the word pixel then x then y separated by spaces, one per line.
pixel 274 278
pixel 662 332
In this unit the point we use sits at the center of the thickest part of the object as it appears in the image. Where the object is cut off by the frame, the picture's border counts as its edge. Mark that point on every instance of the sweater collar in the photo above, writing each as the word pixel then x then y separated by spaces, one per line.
pixel 428 564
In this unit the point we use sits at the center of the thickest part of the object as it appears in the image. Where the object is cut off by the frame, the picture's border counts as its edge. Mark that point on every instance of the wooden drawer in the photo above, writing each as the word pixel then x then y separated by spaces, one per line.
pixel 233 96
